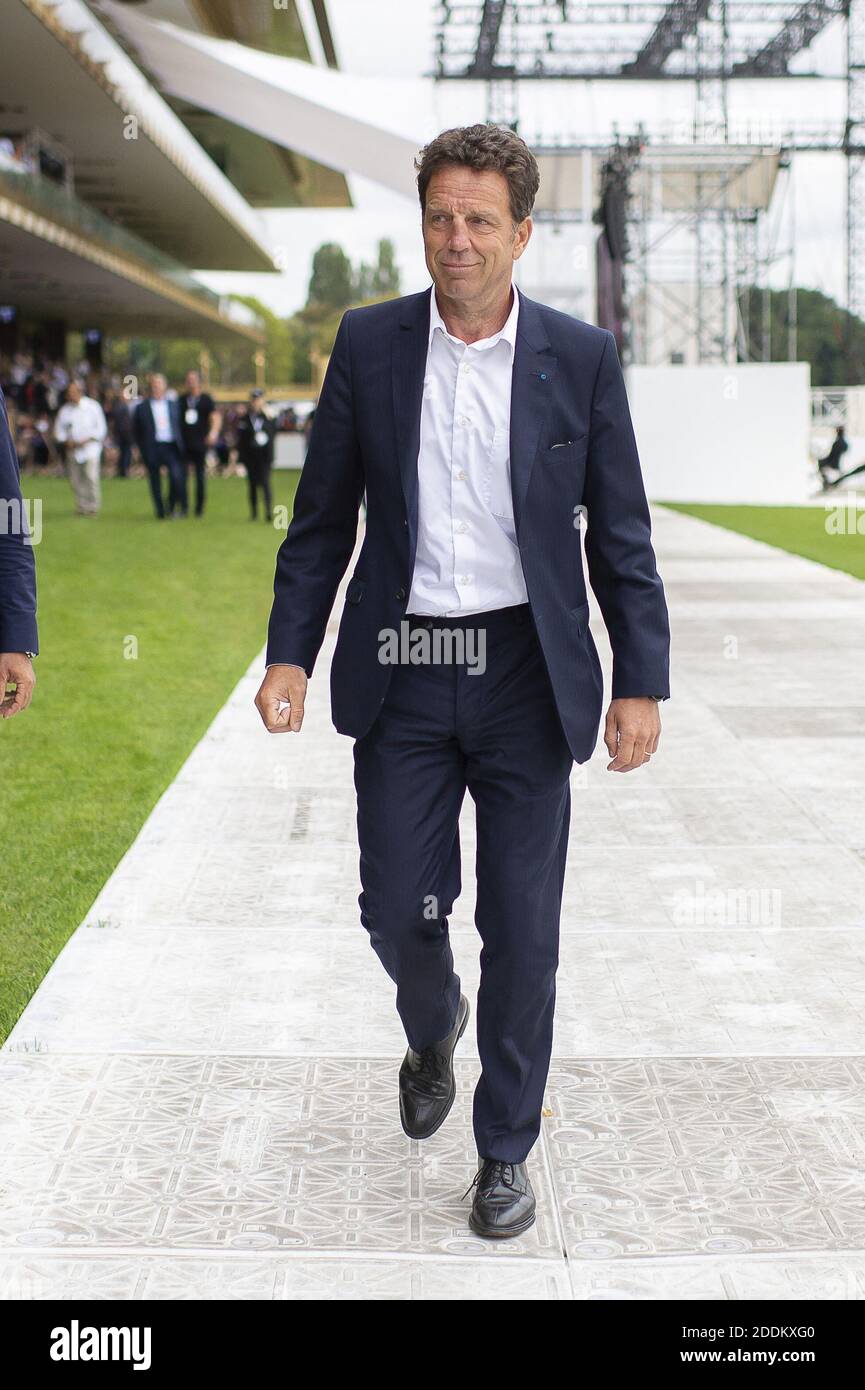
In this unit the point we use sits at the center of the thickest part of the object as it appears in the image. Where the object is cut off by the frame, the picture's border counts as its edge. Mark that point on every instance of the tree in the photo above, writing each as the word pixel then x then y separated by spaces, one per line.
pixel 379 281
pixel 137 357
pixel 385 280
pixel 333 287
pixel 363 285
pixel 331 283
pixel 286 346
pixel 827 336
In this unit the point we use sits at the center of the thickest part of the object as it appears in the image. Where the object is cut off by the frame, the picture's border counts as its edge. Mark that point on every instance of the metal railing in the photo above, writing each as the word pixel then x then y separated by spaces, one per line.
pixel 29 189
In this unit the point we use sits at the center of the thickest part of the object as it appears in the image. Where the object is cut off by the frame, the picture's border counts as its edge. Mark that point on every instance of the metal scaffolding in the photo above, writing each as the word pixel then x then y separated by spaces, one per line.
pixel 714 249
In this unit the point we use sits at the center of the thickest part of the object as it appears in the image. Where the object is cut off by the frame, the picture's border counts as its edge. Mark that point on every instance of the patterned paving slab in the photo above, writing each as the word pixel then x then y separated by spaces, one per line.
pixel 235 1154
pixel 732 1155
pixel 725 1157
pixel 286 1277
pixel 296 1277
pixel 200 1099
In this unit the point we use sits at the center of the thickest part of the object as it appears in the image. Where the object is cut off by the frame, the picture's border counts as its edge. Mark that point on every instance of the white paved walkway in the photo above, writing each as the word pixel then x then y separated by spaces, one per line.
pixel 200 1100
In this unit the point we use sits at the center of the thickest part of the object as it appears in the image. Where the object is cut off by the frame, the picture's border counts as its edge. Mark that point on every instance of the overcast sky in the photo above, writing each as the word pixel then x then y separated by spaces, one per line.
pixel 390 38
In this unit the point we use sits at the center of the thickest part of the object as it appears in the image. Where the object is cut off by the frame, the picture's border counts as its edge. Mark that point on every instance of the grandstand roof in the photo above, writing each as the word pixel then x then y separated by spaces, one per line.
pixel 60 71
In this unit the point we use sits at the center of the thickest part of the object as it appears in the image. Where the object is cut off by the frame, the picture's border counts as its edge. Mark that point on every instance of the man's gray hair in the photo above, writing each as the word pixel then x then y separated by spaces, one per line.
pixel 484 147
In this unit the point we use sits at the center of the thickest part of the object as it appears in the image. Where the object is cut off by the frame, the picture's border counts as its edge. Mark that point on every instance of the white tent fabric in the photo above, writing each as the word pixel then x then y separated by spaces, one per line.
pixel 359 125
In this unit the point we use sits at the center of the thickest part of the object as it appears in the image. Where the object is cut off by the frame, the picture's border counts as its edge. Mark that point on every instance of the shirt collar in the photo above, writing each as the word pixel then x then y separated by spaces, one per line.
pixel 508 332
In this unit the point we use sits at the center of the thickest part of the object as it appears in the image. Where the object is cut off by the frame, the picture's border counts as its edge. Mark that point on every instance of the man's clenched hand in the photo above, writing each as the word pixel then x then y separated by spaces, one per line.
pixel 280 699
pixel 16 669
pixel 632 732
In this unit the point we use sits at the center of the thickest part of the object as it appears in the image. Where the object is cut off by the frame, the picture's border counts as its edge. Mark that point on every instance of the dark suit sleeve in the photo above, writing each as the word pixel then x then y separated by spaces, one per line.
pixel 619 549
pixel 177 426
pixel 138 426
pixel 320 539
pixel 17 564
pixel 241 430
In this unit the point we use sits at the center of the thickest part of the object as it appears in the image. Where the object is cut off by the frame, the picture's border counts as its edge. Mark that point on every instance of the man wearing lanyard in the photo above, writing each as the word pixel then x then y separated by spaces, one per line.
pixel 256 431
pixel 156 425
pixel 200 426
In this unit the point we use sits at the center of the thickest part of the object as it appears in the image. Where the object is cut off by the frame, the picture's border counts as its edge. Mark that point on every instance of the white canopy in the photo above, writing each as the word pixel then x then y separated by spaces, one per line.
pixel 324 114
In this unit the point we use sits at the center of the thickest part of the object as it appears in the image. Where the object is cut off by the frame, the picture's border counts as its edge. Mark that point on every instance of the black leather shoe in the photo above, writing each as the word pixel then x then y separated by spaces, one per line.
pixel 427 1085
pixel 504 1203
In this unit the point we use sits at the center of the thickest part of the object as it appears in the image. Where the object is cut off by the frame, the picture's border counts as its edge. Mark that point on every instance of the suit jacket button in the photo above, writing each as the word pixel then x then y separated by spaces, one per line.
pixel 400 593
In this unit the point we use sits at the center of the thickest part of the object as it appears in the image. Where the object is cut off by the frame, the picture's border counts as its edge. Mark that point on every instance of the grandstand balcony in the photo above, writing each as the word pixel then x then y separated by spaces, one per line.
pixel 61 256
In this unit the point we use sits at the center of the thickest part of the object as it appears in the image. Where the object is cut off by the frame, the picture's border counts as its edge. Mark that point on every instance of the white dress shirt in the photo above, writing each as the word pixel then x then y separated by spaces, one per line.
pixel 467 559
pixel 84 420
pixel 162 420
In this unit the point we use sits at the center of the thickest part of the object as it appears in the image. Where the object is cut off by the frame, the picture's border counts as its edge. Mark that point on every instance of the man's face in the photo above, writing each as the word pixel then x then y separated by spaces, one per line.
pixel 157 387
pixel 74 392
pixel 470 243
pixel 192 383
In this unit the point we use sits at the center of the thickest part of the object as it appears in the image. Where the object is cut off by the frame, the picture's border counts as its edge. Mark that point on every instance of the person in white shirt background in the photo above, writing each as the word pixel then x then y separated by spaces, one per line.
pixel 81 426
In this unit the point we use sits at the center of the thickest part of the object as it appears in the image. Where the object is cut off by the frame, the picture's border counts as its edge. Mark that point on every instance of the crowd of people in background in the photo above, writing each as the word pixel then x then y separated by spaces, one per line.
pixel 76 417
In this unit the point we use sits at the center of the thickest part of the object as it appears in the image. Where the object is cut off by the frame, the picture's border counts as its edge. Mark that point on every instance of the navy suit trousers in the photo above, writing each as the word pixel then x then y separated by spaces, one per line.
pixel 444 728
pixel 168 456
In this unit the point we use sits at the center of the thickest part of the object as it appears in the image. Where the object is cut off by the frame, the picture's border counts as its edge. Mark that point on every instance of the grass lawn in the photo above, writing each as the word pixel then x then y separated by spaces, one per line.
pixel 801 530
pixel 83 766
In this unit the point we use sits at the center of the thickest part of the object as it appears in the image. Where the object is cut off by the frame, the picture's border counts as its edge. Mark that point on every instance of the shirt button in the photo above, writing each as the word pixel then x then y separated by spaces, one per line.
pixel 462 475
pixel 465 578
pixel 461 420
pixel 462 527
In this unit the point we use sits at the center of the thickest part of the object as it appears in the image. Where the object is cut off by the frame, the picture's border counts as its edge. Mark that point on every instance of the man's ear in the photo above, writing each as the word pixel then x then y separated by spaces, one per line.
pixel 524 232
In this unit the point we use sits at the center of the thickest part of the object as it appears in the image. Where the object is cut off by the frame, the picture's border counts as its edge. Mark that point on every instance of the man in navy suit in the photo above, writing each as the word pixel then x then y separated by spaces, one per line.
pixel 158 433
pixel 484 428
pixel 18 637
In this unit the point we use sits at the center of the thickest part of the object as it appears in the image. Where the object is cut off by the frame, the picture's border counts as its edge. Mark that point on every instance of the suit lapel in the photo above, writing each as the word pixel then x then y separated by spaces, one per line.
pixel 534 372
pixel 408 365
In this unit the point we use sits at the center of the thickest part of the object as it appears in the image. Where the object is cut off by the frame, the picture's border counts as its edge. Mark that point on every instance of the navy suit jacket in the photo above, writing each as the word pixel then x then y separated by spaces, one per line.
pixel 567 385
pixel 17 564
pixel 144 428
